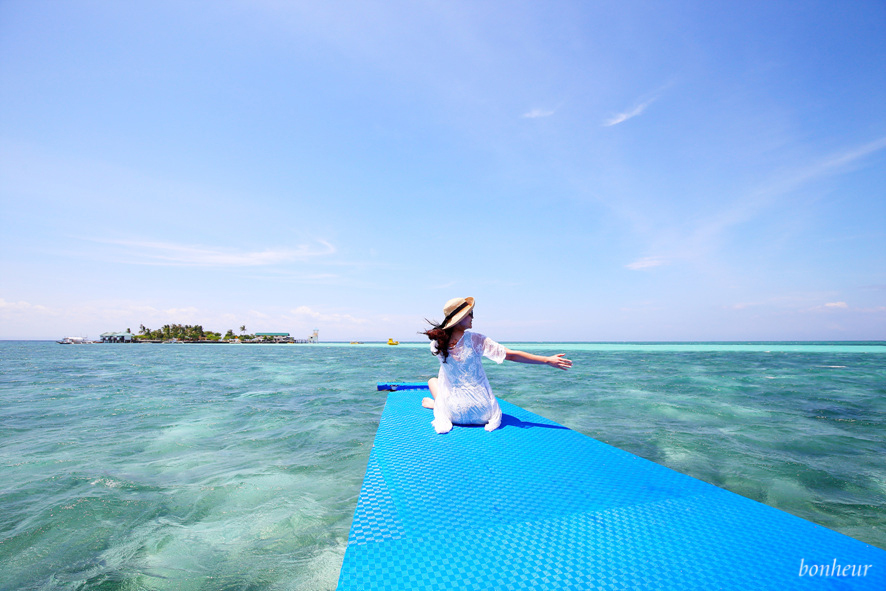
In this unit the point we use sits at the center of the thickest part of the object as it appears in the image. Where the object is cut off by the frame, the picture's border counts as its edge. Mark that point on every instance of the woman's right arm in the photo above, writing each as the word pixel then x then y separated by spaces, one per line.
pixel 558 360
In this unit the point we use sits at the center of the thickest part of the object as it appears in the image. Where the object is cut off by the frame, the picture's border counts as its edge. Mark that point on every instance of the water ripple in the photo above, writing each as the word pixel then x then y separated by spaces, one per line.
pixel 217 467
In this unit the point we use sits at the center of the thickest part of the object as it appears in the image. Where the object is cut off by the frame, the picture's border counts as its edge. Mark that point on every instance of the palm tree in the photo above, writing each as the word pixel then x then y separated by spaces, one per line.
pixel 243 329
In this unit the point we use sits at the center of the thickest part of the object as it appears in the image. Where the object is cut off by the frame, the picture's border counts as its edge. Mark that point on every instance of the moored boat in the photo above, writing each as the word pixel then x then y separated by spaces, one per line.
pixel 74 341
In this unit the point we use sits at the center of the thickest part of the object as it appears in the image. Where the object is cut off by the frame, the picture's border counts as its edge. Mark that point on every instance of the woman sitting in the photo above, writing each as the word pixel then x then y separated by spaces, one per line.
pixel 461 391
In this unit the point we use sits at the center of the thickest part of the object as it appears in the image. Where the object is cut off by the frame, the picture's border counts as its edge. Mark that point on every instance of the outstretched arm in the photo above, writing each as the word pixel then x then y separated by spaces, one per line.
pixel 558 360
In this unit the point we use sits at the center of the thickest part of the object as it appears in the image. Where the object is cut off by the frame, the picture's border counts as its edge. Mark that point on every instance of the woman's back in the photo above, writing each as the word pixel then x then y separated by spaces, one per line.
pixel 465 395
pixel 461 391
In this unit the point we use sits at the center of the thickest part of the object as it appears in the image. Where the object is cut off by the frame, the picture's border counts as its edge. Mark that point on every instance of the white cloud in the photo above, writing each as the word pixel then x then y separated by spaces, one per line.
pixel 20 306
pixel 643 307
pixel 742 305
pixel 646 263
pixel 643 103
pixel 708 232
pixel 622 117
pixel 305 311
pixel 833 306
pixel 835 164
pixel 851 156
pixel 536 113
pixel 172 254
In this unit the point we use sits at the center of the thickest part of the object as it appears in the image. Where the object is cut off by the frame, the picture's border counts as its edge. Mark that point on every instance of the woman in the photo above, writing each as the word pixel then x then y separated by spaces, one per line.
pixel 461 391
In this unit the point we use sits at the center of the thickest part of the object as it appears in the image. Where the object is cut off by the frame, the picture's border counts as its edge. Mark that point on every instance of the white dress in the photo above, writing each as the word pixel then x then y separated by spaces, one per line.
pixel 464 395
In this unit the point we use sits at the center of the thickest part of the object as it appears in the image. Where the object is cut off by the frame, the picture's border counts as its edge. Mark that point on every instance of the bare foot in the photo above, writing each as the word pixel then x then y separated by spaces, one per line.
pixel 427 402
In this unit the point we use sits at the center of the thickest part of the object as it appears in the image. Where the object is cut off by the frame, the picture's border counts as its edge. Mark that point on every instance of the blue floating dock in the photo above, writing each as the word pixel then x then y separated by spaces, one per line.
pixel 394 386
pixel 535 505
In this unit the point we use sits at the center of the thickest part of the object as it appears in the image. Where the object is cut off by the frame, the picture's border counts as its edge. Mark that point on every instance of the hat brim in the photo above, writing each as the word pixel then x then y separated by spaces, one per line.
pixel 460 315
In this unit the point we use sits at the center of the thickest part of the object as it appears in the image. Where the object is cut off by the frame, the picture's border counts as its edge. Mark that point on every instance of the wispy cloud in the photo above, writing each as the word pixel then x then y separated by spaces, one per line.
pixel 189 255
pixel 646 263
pixel 829 307
pixel 850 156
pixel 20 306
pixel 687 244
pixel 834 164
pixel 622 117
pixel 742 305
pixel 639 107
pixel 536 113
pixel 755 202
pixel 443 285
pixel 337 319
pixel 643 307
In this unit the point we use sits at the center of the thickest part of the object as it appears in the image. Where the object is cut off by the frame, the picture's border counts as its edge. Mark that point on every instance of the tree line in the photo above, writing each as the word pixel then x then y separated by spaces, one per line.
pixel 187 332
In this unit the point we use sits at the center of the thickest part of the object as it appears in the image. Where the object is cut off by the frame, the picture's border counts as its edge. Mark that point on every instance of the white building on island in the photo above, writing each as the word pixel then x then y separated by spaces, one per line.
pixel 116 337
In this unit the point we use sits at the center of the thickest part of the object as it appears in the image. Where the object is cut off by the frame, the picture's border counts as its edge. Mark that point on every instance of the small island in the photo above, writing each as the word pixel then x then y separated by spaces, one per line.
pixel 188 333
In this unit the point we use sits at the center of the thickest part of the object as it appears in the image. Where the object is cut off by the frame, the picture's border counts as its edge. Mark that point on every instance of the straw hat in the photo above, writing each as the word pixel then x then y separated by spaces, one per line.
pixel 456 309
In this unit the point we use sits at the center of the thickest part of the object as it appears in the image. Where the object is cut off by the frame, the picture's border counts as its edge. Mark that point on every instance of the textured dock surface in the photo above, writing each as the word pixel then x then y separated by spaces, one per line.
pixel 535 505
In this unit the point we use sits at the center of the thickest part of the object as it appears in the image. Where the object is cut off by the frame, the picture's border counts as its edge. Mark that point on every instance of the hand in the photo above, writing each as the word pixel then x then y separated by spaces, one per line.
pixel 559 361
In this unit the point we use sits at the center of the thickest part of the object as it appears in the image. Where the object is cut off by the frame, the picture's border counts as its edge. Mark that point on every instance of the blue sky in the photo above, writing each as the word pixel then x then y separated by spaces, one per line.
pixel 587 170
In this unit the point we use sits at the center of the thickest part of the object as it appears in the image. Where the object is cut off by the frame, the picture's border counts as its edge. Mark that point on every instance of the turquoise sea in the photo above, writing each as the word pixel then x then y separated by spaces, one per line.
pixel 239 466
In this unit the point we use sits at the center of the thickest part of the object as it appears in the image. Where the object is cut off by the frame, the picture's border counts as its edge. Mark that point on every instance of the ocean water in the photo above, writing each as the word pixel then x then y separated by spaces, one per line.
pixel 239 467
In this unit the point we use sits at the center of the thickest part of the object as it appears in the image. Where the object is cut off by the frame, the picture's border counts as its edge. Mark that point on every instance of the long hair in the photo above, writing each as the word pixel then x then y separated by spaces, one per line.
pixel 441 337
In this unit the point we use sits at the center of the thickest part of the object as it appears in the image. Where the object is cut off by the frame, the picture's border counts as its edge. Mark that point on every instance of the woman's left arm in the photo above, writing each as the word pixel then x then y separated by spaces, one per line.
pixel 558 360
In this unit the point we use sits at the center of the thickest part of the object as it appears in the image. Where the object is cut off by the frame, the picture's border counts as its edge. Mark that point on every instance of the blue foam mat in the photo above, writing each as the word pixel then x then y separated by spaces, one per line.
pixel 394 386
pixel 534 505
